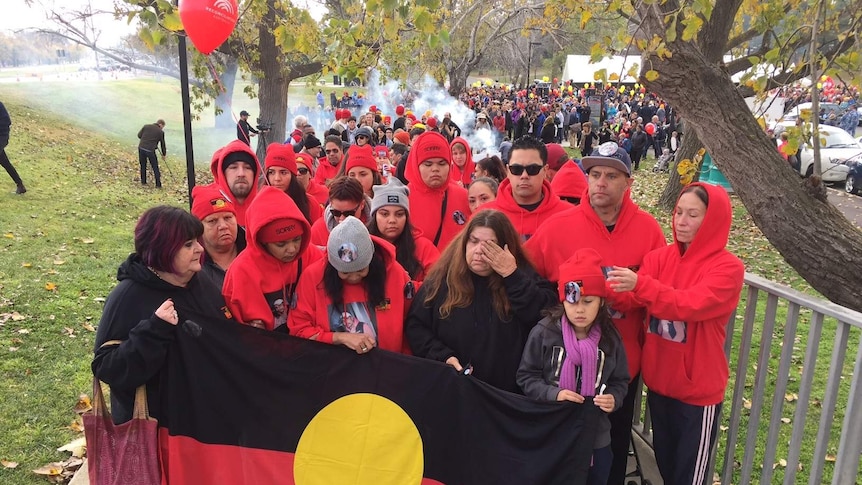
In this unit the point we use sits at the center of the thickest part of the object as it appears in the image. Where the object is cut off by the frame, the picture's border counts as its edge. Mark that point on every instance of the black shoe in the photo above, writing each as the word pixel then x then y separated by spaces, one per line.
pixel 158 186
pixel 21 189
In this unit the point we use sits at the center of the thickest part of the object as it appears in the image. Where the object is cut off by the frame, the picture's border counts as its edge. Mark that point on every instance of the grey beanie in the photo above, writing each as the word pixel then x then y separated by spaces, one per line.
pixel 364 131
pixel 349 247
pixel 393 193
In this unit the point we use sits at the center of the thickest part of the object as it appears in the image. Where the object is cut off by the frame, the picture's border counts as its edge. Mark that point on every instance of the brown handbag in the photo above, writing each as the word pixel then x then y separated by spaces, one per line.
pixel 121 454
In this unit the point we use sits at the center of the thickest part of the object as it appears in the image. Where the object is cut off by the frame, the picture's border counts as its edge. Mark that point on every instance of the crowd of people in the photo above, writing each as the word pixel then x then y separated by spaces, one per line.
pixel 531 271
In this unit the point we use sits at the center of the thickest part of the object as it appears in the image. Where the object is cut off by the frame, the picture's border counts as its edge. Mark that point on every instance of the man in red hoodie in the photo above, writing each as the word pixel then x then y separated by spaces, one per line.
pixel 329 165
pixel 526 196
pixel 235 170
pixel 623 234
pixel 439 206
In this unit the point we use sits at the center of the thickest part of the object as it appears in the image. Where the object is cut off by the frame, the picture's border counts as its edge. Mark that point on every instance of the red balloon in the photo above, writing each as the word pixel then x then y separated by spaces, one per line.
pixel 208 23
pixel 650 129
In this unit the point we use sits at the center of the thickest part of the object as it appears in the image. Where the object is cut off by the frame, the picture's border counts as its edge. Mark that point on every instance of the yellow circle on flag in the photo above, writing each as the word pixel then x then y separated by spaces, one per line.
pixel 360 439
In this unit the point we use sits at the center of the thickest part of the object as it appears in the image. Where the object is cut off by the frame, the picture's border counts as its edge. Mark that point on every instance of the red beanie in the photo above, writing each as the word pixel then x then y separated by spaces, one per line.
pixel 361 156
pixel 307 160
pixel 387 120
pixel 581 275
pixel 381 151
pixel 399 110
pixel 431 122
pixel 402 137
pixel 281 155
pixel 207 200
pixel 280 230
pixel 557 155
pixel 431 145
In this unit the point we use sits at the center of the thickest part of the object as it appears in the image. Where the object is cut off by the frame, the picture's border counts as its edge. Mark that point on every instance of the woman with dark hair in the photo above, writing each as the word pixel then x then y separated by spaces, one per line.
pixel 362 166
pixel 390 220
pixel 482 191
pixel 357 296
pixel 282 173
pixel 260 285
pixel 491 167
pixel 478 304
pixel 158 288
pixel 690 288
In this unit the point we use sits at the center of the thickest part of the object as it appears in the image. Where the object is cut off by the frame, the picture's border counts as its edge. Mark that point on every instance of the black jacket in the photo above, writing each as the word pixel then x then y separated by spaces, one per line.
pixel 539 373
pixel 476 335
pixel 129 316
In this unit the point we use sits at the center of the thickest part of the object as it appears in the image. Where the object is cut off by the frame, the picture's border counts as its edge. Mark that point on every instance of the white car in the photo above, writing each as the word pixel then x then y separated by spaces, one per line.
pixel 838 149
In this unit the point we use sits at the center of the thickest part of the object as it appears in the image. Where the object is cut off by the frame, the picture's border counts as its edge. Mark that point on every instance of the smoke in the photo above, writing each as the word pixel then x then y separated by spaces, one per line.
pixel 428 95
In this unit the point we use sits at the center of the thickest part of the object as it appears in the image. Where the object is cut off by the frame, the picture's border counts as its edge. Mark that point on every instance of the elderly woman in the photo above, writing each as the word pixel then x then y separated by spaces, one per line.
pixel 477 306
pixel 158 288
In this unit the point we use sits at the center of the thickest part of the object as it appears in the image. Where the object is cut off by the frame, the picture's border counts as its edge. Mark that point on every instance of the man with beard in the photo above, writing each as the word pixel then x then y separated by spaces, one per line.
pixel 329 165
pixel 223 239
pixel 235 170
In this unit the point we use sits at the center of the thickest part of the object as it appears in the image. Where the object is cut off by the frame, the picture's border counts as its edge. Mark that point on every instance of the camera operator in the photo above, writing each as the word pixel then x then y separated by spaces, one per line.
pixel 244 131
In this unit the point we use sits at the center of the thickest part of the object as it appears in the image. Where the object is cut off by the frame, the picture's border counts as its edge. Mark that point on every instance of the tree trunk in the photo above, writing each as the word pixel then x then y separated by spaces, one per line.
pixel 224 116
pixel 273 84
pixel 811 235
pixel 690 145
pixel 457 80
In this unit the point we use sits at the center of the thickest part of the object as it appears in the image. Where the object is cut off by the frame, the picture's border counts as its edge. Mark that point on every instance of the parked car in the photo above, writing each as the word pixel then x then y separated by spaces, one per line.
pixel 853 184
pixel 838 149
pixel 825 110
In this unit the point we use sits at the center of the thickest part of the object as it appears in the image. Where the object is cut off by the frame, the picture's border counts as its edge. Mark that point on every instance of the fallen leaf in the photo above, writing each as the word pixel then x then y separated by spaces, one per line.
pixel 51 469
pixel 9 235
pixel 785 420
pixel 76 426
pixel 746 403
pixel 17 317
pixel 69 331
pixel 50 286
pixel 59 262
pixel 88 241
pixel 75 447
pixel 791 397
pixel 88 327
pixel 23 331
pixel 9 464
pixel 84 404
pixel 830 458
pixel 13 349
pixel 782 462
pixel 26 265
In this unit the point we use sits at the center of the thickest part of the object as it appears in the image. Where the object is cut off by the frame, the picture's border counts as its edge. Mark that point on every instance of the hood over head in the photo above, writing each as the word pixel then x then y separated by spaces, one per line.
pixel 234 151
pixel 273 205
pixel 714 230
pixel 570 181
pixel 427 145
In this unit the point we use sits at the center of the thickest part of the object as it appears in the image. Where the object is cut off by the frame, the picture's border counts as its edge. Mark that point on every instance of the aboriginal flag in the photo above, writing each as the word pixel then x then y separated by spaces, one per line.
pixel 246 406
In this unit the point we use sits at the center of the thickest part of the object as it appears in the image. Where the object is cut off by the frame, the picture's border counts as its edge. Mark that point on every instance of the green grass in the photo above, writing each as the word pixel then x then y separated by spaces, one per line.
pixel 74 226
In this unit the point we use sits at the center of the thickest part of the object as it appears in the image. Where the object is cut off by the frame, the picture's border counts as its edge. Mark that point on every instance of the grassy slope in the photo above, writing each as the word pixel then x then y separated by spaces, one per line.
pixel 75 226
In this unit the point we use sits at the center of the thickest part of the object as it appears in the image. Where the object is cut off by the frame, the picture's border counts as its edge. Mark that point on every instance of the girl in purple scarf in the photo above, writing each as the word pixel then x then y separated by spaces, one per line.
pixel 575 354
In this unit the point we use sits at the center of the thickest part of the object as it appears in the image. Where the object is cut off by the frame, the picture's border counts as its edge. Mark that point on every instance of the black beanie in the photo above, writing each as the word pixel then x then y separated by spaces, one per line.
pixel 311 141
pixel 238 157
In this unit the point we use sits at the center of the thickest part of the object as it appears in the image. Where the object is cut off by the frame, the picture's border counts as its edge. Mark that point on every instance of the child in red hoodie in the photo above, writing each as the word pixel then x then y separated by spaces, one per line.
pixel 689 288
pixel 260 285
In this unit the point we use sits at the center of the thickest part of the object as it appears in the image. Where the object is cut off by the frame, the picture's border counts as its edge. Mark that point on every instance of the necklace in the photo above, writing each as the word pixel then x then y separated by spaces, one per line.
pixel 155 272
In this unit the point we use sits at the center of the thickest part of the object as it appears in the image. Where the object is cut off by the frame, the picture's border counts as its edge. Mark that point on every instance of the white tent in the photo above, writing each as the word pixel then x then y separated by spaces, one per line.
pixel 580 70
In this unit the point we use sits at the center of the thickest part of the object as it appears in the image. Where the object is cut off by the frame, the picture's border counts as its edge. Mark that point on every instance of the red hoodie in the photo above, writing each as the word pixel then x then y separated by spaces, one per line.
pixel 465 175
pixel 635 234
pixel 319 193
pixel 526 222
pixel 325 172
pixel 311 317
pixel 689 296
pixel 570 181
pixel 426 204
pixel 221 183
pixel 257 284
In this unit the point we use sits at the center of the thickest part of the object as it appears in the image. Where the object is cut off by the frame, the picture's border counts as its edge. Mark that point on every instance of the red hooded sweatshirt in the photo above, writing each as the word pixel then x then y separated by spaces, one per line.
pixel 257 285
pixel 326 171
pixel 689 295
pixel 311 317
pixel 635 234
pixel 217 168
pixel 463 175
pixel 426 203
pixel 527 222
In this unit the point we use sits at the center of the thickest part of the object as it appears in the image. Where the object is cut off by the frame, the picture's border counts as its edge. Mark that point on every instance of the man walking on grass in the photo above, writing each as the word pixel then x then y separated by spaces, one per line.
pixel 5 124
pixel 151 137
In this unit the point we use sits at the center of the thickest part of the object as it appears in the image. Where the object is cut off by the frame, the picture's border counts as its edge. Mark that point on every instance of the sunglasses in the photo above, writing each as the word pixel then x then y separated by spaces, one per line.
pixel 337 213
pixel 302 171
pixel 361 136
pixel 334 150
pixel 532 170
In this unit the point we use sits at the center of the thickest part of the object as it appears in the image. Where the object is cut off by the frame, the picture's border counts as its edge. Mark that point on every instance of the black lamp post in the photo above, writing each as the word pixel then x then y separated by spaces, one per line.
pixel 530 59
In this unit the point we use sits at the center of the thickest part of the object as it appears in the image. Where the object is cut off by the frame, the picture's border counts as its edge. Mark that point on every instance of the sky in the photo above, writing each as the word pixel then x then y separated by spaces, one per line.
pixel 17 15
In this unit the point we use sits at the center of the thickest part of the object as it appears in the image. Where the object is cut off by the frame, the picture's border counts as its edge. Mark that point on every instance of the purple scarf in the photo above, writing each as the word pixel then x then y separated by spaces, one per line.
pixel 583 353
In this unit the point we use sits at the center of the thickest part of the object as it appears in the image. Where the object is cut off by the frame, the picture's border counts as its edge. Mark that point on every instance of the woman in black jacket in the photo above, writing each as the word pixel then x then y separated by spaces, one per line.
pixel 476 307
pixel 158 289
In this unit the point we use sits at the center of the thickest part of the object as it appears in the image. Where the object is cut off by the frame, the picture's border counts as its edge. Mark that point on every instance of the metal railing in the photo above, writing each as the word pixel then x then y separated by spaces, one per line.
pixel 767 377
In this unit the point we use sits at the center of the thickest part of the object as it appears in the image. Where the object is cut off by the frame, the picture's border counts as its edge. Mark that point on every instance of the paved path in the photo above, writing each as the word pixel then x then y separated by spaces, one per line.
pixel 849 204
